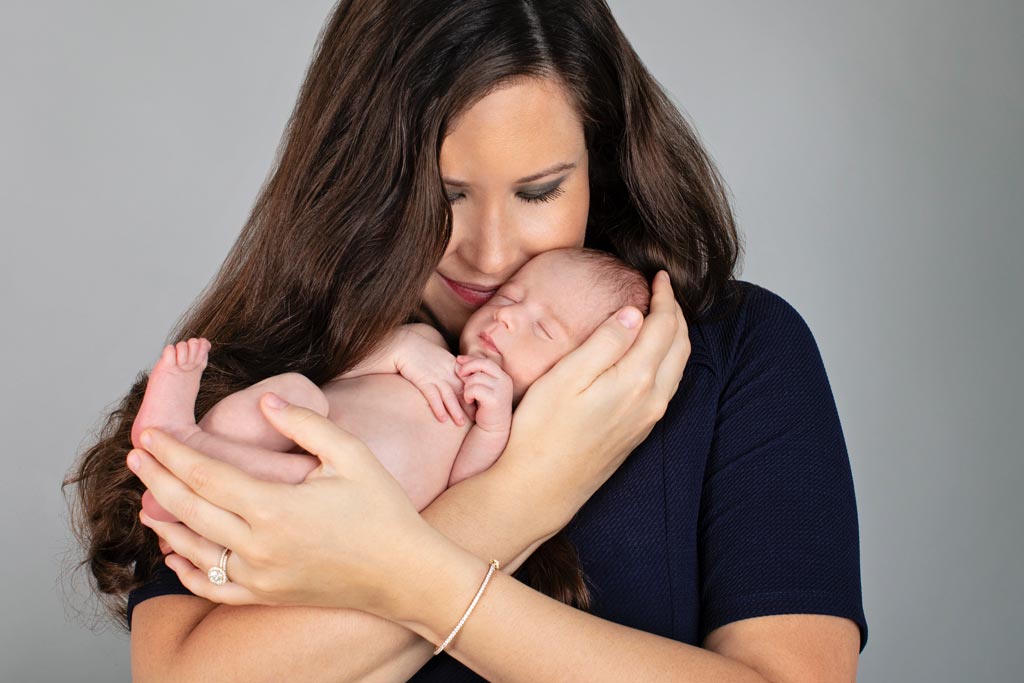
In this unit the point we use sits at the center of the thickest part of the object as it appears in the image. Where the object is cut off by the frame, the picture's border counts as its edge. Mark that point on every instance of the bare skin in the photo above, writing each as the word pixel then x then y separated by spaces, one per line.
pixel 523 330
pixel 571 431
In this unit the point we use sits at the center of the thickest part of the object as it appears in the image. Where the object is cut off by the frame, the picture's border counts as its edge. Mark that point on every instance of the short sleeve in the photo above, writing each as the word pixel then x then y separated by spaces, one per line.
pixel 163 582
pixel 778 519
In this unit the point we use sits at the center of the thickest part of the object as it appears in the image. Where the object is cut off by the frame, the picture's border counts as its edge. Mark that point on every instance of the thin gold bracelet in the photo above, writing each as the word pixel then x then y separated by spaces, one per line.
pixel 494 565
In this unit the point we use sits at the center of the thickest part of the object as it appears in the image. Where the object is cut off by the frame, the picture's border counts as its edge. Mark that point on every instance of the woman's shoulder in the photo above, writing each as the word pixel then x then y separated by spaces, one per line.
pixel 752 323
pixel 753 342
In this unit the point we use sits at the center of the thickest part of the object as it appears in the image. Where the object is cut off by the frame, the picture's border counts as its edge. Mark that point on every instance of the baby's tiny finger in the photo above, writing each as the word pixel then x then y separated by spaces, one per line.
pixel 485 365
pixel 451 401
pixel 434 398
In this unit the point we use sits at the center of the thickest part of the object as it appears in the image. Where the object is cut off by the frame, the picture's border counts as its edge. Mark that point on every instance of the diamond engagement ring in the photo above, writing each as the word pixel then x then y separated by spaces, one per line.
pixel 219 574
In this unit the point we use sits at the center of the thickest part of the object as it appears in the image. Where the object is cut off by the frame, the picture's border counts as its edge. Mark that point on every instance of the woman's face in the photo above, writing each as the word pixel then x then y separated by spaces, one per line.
pixel 514 166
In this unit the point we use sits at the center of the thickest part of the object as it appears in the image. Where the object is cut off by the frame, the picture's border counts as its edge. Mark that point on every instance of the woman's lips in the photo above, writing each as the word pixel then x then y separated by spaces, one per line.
pixel 470 296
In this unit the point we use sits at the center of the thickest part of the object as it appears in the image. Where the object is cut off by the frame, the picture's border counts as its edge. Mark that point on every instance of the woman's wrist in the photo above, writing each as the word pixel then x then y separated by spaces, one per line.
pixel 437 584
pixel 525 502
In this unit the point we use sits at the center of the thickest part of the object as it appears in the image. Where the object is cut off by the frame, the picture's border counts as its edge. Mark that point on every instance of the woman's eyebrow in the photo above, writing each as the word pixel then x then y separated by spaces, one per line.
pixel 565 165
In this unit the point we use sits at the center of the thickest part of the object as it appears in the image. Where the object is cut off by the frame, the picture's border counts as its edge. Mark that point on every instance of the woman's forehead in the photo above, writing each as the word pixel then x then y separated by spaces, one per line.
pixel 512 133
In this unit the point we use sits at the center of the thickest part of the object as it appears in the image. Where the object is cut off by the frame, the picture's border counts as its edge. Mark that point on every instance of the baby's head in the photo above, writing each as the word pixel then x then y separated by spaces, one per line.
pixel 548 308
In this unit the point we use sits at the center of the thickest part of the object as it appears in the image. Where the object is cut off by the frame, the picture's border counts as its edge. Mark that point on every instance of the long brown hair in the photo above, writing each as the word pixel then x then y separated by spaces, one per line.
pixel 353 219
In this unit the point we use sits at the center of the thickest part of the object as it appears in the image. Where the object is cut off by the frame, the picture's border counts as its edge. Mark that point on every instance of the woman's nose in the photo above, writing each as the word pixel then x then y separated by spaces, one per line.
pixel 491 244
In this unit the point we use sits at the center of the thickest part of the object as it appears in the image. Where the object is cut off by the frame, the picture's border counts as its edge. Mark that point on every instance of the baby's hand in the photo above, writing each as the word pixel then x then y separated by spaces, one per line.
pixel 432 369
pixel 491 388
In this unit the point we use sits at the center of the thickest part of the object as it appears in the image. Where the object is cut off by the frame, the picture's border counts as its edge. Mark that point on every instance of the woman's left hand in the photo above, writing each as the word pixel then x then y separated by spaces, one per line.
pixel 338 539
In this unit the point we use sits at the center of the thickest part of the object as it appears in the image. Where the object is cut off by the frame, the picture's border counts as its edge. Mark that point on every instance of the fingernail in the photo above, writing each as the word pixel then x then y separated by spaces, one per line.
pixel 629 317
pixel 134 461
pixel 274 401
pixel 146 438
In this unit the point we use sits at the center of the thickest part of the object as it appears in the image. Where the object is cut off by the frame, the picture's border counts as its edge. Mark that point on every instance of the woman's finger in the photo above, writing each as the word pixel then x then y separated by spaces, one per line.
pixel 191 556
pixel 196 488
pixel 657 335
pixel 154 510
pixel 220 483
pixel 340 452
pixel 578 369
pixel 183 541
pixel 198 582
pixel 185 504
pixel 670 371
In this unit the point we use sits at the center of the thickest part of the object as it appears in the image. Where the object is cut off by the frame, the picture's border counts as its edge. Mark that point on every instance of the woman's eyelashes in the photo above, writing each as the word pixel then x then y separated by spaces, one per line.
pixel 546 196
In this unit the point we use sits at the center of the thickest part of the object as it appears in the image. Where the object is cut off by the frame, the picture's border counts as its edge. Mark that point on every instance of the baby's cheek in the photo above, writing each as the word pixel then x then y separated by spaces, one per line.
pixel 523 378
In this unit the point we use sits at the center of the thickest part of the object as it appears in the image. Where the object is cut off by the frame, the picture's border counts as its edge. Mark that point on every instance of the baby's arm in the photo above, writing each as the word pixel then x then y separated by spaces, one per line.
pixel 491 388
pixel 419 353
pixel 387 359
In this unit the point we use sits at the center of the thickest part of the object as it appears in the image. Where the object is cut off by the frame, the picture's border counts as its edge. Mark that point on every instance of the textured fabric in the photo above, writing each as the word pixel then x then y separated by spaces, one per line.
pixel 740 502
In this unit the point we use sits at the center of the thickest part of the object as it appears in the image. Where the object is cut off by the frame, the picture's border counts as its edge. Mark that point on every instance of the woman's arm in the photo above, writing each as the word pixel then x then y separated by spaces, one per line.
pixel 177 638
pixel 517 634
pixel 570 433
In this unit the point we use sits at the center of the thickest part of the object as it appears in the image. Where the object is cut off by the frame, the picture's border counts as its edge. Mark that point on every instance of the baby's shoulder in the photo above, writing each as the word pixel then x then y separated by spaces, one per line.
pixel 426 331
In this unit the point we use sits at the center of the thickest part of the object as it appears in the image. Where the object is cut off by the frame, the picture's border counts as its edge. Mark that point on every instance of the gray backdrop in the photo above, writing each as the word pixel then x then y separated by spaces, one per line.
pixel 874 151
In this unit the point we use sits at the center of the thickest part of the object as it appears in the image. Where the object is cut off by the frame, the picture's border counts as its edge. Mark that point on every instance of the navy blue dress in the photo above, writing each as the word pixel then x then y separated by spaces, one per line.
pixel 740 503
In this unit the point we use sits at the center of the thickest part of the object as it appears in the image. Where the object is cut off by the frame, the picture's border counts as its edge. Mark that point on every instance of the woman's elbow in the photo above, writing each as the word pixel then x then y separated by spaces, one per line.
pixel 160 627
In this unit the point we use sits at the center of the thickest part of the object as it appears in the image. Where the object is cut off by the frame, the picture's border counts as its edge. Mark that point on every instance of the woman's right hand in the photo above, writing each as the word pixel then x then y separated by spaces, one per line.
pixel 577 423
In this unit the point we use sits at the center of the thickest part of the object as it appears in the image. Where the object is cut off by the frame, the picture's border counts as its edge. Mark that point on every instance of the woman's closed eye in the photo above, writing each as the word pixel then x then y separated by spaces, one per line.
pixel 546 196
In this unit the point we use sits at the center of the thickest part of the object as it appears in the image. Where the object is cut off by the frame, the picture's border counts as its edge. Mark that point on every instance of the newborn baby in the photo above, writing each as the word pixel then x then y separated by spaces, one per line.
pixel 550 306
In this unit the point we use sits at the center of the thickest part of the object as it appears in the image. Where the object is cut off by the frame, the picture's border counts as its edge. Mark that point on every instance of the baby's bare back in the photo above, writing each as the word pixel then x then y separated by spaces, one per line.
pixel 392 417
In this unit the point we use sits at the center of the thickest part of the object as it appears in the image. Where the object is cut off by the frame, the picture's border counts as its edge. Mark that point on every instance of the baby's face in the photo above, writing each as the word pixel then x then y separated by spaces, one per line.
pixel 538 316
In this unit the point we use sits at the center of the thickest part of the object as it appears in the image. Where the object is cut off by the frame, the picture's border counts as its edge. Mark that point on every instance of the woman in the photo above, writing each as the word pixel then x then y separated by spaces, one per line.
pixel 435 142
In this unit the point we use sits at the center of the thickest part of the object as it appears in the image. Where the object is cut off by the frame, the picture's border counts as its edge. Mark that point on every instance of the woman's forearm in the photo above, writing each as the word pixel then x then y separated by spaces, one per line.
pixel 270 643
pixel 517 635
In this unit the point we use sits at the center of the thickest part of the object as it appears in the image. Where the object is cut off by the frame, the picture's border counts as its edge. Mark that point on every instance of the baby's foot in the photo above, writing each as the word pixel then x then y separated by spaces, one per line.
pixel 169 403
